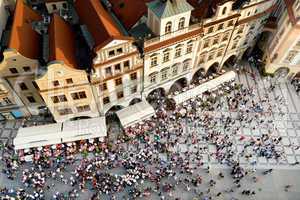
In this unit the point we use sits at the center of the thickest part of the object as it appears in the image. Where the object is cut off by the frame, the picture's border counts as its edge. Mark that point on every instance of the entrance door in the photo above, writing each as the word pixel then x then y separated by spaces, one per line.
pixel 17 114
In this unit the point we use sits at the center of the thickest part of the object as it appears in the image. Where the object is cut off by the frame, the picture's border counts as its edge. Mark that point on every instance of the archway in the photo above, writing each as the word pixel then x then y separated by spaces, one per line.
pixel 156 97
pixel 281 73
pixel 198 75
pixel 113 124
pixel 113 109
pixel 178 85
pixel 212 69
pixel 134 101
pixel 229 63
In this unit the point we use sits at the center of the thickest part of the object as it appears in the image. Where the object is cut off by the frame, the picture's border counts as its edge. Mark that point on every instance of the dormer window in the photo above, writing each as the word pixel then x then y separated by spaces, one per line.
pixel 181 23
pixel 168 28
pixel 224 11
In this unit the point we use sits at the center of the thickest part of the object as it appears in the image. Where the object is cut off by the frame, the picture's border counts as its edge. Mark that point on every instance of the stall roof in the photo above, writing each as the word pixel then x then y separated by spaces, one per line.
pixel 84 129
pixel 214 83
pixel 135 113
pixel 36 136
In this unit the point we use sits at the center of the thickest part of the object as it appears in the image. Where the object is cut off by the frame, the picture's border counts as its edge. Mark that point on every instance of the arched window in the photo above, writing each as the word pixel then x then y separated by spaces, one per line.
pixel 224 11
pixel 168 28
pixel 181 23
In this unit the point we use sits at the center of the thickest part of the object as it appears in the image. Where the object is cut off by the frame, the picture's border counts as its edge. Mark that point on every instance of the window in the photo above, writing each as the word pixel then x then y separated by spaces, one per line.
pixel 133 76
pixel 164 74
pixel 13 70
pixel 7 101
pixel 206 44
pixel 234 45
pixel 64 5
pixel 290 57
pixel 108 71
pixel 120 95
pixel 54 7
pixel 241 29
pixel 202 59
pixel 126 65
pixel 185 66
pixel 78 95
pixel 35 85
pixel 103 87
pixel 230 23
pixel 181 23
pixel 133 89
pixel 31 99
pixel 55 83
pixel 83 108
pixel 106 100
pixel 216 40
pixel 65 111
pixel 111 53
pixel 118 81
pixel 152 78
pixel 168 28
pixel 178 52
pixel 59 98
pixel 248 13
pixel 211 56
pixel 220 53
pixel 119 50
pixel 225 37
pixel 26 69
pixel 153 61
pixel 220 27
pixel 166 56
pixel 23 86
pixel 210 29
pixel 175 70
pixel 69 81
pixel 224 11
pixel 117 68
pixel 189 48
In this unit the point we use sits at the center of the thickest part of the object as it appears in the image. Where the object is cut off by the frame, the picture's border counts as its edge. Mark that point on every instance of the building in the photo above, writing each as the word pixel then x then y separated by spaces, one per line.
pixel 282 54
pixel 117 66
pixel 21 61
pixel 65 86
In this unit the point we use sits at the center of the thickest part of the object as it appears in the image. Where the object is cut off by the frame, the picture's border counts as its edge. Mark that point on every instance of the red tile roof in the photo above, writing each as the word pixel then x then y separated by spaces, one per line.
pixel 23 38
pixel 129 11
pixel 62 42
pixel 98 21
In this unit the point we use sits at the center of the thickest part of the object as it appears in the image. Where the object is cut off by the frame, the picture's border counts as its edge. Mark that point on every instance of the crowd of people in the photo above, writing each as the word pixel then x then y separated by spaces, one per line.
pixel 296 83
pixel 148 160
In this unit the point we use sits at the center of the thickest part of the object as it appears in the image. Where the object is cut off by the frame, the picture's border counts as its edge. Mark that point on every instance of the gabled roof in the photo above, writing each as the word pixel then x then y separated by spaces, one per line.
pixel 129 11
pixel 98 21
pixel 168 8
pixel 23 38
pixel 62 42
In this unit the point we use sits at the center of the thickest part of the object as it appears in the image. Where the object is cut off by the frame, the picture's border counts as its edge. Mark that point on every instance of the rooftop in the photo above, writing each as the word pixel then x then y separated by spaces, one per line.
pixel 23 38
pixel 62 42
pixel 98 21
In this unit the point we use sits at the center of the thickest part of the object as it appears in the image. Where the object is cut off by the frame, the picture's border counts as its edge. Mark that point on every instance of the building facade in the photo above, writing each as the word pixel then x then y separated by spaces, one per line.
pixel 282 55
pixel 65 87
pixel 20 61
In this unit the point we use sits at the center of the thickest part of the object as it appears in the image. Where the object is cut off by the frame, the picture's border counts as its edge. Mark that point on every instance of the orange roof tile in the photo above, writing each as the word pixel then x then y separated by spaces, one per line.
pixel 98 21
pixel 62 42
pixel 129 11
pixel 23 38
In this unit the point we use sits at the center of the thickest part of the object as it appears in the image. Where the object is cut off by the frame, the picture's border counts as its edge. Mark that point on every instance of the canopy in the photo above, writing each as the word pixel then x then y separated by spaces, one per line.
pixel 37 136
pixel 207 86
pixel 135 113
pixel 84 129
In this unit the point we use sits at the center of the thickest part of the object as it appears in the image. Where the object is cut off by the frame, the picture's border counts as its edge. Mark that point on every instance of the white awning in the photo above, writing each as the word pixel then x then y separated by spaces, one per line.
pixel 135 113
pixel 207 86
pixel 84 129
pixel 37 136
